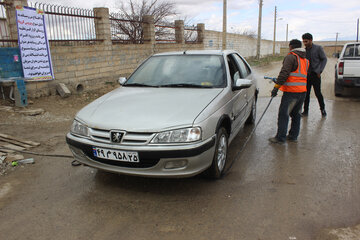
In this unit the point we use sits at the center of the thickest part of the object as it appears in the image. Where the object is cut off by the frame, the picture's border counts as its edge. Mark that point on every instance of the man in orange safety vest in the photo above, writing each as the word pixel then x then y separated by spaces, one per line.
pixel 292 81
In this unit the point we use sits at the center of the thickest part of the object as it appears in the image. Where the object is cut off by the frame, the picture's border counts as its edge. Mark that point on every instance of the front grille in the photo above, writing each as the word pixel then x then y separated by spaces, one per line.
pixel 144 163
pixel 129 138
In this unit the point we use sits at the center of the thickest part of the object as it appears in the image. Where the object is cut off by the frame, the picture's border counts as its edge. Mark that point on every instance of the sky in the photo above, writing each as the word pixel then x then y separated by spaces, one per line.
pixel 324 19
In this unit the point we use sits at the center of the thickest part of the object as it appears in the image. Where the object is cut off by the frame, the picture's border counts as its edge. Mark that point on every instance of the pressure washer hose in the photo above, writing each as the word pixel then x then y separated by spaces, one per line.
pixel 248 138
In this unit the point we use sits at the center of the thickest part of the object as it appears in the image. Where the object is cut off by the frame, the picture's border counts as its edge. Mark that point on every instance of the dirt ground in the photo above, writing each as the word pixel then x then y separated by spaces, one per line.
pixel 43 128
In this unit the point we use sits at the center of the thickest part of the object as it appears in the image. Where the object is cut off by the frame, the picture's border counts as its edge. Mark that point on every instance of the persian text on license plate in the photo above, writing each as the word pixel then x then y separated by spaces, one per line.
pixel 115 155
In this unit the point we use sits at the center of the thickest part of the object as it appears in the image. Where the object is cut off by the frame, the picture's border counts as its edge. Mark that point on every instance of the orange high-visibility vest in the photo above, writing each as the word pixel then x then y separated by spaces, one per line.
pixel 296 82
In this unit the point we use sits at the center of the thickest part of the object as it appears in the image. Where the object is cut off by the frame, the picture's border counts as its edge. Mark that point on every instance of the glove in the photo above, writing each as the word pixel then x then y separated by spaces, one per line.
pixel 274 92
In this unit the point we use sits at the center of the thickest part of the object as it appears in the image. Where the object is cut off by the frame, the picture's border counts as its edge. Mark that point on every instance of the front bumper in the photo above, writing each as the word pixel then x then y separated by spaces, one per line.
pixel 153 158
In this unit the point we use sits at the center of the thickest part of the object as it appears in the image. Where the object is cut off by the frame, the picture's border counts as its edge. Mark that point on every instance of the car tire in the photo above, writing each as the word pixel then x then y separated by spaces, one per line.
pixel 252 117
pixel 217 167
pixel 338 89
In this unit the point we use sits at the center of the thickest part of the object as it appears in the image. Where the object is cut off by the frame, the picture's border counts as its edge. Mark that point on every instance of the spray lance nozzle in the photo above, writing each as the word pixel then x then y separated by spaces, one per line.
pixel 271 78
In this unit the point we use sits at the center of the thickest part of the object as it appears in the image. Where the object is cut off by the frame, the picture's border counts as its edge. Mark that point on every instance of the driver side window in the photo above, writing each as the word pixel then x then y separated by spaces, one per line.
pixel 233 69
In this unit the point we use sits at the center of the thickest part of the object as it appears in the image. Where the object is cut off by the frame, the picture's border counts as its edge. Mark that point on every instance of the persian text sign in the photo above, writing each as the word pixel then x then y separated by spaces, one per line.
pixel 33 43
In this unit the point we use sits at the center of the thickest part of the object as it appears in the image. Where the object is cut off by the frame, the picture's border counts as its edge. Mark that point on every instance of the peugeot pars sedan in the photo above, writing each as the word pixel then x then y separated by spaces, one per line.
pixel 175 116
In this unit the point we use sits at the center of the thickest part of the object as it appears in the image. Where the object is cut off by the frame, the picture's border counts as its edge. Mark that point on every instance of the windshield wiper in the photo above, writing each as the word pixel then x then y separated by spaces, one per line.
pixel 187 85
pixel 138 85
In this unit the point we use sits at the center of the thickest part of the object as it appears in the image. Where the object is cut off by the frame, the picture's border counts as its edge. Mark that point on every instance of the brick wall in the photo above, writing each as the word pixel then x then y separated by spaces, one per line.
pixel 245 45
pixel 322 43
pixel 330 47
pixel 94 66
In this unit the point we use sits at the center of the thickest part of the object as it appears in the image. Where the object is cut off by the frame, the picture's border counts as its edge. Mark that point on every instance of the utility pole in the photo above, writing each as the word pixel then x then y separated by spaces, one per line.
pixel 287 30
pixel 259 31
pixel 357 33
pixel 337 34
pixel 224 27
pixel 274 32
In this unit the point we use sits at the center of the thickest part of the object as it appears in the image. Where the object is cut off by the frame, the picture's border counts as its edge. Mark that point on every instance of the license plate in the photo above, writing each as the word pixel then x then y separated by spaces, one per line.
pixel 116 155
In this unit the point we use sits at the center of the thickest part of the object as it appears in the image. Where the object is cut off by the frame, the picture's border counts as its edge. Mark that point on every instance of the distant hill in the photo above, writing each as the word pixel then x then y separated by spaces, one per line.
pixel 340 38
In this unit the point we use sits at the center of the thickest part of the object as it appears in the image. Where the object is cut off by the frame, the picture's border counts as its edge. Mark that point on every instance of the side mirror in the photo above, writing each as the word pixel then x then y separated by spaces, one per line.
pixel 337 55
pixel 122 80
pixel 242 83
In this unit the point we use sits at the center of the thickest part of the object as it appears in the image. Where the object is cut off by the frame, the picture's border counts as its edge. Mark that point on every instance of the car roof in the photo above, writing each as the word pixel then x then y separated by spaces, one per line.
pixel 197 52
pixel 352 43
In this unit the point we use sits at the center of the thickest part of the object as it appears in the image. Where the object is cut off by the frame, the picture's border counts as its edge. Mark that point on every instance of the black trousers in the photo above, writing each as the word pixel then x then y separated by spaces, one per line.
pixel 315 81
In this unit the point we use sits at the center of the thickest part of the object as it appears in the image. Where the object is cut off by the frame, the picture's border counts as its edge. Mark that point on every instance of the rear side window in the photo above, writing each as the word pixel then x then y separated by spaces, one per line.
pixel 244 69
pixel 233 68
pixel 352 50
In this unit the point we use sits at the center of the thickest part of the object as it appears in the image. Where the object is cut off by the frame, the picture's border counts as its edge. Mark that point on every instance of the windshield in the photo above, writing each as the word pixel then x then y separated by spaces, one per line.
pixel 199 71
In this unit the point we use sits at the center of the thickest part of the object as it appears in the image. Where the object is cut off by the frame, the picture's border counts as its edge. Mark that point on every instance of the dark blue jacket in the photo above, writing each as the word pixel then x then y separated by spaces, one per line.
pixel 317 58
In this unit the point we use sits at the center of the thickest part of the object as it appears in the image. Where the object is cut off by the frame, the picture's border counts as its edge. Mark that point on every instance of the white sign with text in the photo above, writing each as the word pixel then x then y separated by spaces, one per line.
pixel 33 43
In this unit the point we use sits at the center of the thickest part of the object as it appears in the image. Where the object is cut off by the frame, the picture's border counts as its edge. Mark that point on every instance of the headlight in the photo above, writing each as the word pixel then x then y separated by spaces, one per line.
pixel 79 129
pixel 178 136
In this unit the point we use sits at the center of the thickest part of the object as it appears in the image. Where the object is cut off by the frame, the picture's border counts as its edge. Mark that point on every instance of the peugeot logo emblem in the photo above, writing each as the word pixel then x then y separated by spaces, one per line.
pixel 116 137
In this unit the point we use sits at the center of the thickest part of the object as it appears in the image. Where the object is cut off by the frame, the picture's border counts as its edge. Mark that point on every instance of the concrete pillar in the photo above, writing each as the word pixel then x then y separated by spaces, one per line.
pixel 179 31
pixel 11 16
pixel 200 32
pixel 149 29
pixel 102 26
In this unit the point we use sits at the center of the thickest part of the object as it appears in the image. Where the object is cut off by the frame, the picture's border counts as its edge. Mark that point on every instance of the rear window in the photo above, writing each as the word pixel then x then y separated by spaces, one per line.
pixel 352 50
pixel 197 70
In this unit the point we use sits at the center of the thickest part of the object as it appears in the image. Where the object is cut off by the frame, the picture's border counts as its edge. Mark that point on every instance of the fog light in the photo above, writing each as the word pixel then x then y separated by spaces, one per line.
pixel 175 164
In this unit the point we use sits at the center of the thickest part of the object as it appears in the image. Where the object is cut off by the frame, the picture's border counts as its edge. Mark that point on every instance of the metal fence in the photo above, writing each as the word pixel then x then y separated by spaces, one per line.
pixel 68 25
pixel 165 33
pixel 125 31
pixel 190 34
pixel 76 26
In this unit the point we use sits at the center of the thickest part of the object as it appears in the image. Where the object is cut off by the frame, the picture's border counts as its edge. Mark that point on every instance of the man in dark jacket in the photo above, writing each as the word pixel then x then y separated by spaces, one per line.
pixel 316 55
pixel 292 81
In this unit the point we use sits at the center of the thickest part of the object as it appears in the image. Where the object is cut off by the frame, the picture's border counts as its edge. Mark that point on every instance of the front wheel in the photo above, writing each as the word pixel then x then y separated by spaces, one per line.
pixel 217 167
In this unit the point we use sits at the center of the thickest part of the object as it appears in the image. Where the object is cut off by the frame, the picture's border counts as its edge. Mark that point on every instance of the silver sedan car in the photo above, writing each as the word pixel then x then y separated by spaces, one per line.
pixel 175 116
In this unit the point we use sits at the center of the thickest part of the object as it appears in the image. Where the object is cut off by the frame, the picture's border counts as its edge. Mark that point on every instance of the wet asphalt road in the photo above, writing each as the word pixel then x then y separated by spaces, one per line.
pixel 274 192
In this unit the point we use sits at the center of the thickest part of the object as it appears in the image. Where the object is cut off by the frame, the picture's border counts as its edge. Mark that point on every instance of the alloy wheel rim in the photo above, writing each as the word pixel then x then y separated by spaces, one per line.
pixel 222 150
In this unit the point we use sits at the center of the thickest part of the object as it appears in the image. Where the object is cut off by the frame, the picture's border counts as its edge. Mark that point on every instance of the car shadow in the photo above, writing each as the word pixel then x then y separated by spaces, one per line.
pixel 168 186
pixel 237 148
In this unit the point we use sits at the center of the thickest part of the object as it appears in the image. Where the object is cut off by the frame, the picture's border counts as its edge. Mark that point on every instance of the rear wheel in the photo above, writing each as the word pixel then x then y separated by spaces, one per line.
pixel 338 89
pixel 217 167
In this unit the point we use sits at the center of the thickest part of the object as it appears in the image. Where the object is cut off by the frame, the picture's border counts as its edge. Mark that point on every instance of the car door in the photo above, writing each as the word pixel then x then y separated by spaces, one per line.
pixel 239 102
pixel 246 73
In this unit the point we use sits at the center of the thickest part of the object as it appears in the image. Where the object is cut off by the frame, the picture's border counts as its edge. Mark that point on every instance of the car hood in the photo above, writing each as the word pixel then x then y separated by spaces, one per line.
pixel 147 109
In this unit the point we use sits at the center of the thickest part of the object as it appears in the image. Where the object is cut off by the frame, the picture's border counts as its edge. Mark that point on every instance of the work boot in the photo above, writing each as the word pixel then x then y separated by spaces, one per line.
pixel 276 140
pixel 291 139
pixel 304 113
pixel 323 113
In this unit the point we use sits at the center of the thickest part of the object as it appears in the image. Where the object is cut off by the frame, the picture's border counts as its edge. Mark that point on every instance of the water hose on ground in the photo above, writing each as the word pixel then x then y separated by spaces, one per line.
pixel 249 137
